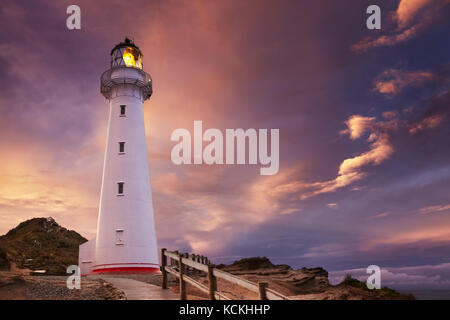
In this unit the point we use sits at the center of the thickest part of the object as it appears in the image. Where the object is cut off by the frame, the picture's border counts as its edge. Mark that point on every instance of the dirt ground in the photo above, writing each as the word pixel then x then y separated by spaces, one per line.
pixel 19 285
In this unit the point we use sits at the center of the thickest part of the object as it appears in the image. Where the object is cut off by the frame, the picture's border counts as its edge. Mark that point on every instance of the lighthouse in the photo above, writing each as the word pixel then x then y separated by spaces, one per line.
pixel 126 238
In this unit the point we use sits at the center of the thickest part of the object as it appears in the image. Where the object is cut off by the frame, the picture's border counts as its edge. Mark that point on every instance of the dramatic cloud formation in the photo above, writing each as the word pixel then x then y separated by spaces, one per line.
pixel 350 169
pixel 364 154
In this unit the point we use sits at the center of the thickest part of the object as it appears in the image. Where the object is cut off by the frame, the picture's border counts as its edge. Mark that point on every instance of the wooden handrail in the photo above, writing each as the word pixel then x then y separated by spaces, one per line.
pixel 273 295
pixel 182 261
pixel 196 284
pixel 189 262
pixel 236 280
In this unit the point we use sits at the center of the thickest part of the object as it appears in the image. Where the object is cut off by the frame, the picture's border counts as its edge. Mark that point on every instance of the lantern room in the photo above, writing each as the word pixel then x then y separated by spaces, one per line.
pixel 126 73
pixel 126 54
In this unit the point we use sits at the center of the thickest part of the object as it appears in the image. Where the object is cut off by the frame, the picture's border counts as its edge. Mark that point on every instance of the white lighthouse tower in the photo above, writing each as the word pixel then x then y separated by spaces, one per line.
pixel 126 238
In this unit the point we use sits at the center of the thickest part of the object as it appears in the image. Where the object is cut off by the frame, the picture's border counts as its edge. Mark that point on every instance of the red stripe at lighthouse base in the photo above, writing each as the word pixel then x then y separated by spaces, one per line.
pixel 127 270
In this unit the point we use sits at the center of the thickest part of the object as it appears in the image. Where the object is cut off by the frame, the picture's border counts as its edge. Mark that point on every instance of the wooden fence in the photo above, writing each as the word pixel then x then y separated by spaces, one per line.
pixel 181 265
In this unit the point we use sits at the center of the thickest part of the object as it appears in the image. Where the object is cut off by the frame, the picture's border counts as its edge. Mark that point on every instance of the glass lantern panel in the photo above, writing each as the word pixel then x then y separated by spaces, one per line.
pixel 132 58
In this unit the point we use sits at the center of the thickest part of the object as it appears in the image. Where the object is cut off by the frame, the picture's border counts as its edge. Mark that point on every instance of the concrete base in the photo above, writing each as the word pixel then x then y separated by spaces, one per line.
pixel 126 270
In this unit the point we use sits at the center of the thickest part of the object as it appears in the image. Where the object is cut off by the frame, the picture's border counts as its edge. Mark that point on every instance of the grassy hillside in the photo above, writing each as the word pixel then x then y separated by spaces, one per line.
pixel 41 243
pixel 383 293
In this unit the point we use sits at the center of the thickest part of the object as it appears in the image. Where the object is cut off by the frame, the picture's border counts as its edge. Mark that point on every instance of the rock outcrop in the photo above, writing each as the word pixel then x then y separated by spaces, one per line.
pixel 306 283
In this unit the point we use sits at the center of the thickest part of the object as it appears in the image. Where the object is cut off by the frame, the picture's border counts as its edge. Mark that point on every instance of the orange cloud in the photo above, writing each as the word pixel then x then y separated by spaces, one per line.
pixel 389 40
pixel 357 125
pixel 391 82
pixel 270 195
pixel 291 210
pixel 390 114
pixel 427 230
pixel 427 123
pixel 435 209
pixel 407 9
pixel 381 150
pixel 327 250
pixel 436 233
pixel 381 215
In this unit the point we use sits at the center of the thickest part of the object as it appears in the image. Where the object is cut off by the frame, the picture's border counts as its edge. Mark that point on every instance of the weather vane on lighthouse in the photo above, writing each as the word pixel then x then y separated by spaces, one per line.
pixel 126 238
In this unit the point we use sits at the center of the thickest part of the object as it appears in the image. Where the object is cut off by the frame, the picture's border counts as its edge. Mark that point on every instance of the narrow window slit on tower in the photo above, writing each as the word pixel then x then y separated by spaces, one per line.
pixel 119 237
pixel 121 147
pixel 120 188
pixel 122 110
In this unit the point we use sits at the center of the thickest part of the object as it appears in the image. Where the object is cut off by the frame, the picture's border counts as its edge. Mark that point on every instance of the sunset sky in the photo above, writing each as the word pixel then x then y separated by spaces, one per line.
pixel 363 117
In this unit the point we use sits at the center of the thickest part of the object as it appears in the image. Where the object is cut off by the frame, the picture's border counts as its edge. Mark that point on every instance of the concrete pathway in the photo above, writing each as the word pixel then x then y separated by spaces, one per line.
pixel 138 290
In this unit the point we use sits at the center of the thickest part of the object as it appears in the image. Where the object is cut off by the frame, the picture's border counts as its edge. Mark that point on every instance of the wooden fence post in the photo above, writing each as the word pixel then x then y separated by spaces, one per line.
pixel 262 290
pixel 193 259
pixel 184 266
pixel 188 269
pixel 163 268
pixel 212 282
pixel 198 260
pixel 183 295
pixel 177 263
